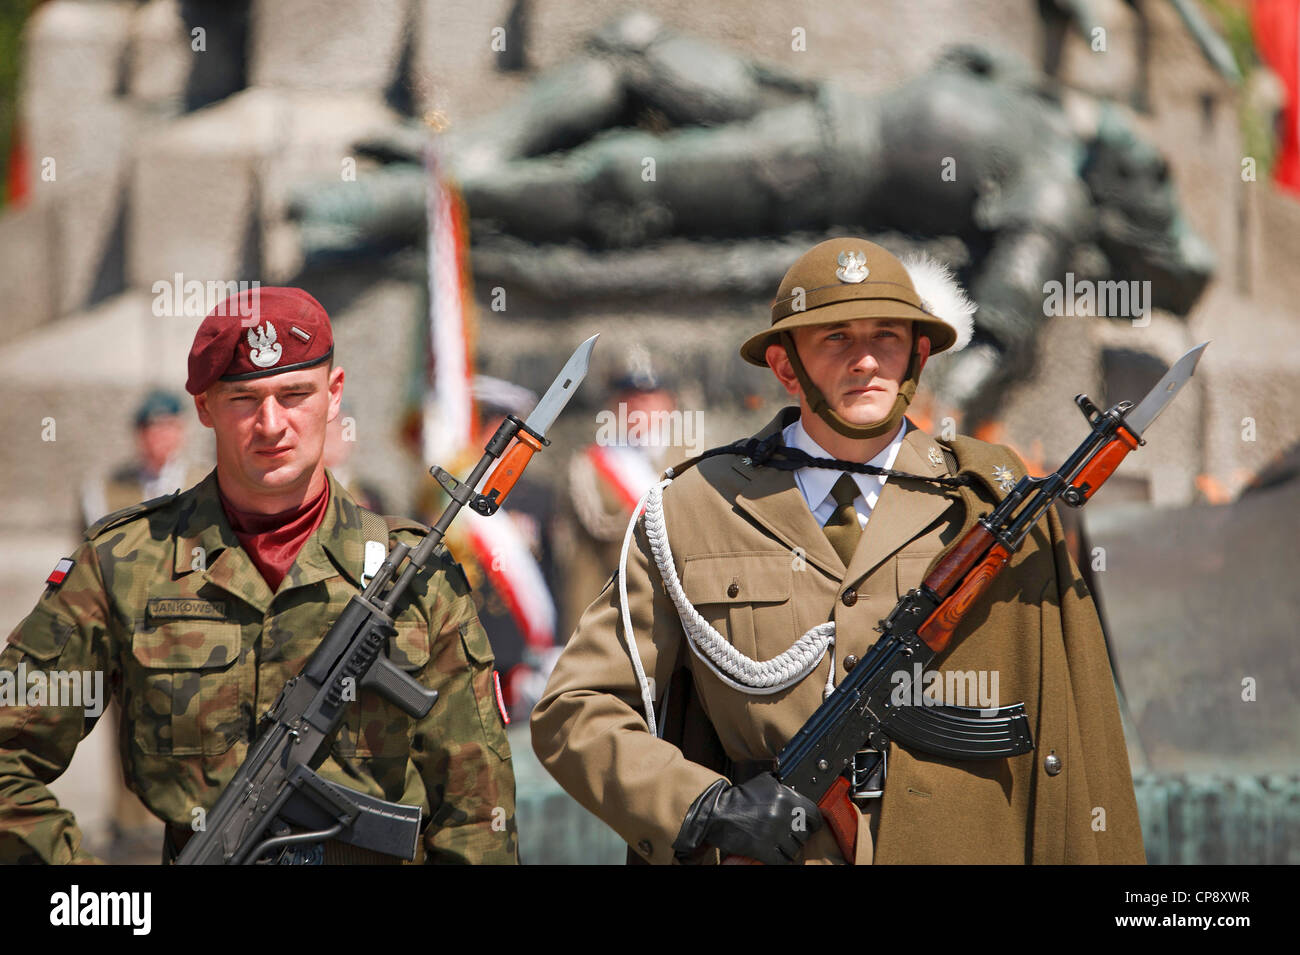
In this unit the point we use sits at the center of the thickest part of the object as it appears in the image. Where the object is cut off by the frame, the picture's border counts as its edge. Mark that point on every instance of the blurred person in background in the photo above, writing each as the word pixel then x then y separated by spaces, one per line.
pixel 158 467
pixel 608 477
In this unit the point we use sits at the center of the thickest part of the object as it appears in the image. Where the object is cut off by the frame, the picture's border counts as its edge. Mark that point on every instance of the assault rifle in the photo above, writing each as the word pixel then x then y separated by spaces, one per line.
pixel 275 800
pixel 859 716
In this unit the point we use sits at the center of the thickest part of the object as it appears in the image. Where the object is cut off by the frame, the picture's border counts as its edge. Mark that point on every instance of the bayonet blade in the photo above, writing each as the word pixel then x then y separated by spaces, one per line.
pixel 1158 398
pixel 562 388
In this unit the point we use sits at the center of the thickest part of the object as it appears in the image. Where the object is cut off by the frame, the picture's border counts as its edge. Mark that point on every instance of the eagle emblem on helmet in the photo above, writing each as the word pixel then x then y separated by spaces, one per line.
pixel 853 267
pixel 264 349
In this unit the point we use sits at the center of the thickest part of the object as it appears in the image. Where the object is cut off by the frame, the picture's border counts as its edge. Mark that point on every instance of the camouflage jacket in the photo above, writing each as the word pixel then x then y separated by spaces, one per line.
pixel 165 603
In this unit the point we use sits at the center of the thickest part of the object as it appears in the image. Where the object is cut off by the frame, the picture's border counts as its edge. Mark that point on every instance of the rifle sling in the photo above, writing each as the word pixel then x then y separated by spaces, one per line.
pixel 771 453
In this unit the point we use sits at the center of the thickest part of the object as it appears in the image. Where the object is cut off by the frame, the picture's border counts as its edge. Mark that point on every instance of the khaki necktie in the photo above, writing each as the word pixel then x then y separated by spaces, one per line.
pixel 843 529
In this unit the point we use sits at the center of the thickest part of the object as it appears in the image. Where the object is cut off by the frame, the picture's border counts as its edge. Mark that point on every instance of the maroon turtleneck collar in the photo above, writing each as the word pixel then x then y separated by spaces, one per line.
pixel 274 540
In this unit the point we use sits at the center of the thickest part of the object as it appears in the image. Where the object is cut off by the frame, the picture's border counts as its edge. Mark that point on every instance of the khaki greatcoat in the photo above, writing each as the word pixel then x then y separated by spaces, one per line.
pixel 755 563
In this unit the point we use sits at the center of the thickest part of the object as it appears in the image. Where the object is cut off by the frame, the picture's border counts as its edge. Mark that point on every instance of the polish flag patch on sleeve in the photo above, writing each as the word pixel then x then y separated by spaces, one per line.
pixel 501 700
pixel 60 572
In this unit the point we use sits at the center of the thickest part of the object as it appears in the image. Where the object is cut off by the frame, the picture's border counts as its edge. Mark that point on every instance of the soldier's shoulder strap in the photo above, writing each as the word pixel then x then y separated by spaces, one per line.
pixel 983 461
pixel 122 515
pixel 374 527
pixel 397 523
pixel 949 458
pixel 379 527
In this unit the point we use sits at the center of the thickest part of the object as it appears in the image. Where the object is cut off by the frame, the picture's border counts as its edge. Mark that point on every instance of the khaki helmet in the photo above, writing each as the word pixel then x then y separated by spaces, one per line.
pixel 843 279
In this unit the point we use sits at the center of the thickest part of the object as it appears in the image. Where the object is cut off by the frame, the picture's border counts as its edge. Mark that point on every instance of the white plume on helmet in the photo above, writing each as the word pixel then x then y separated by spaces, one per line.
pixel 941 295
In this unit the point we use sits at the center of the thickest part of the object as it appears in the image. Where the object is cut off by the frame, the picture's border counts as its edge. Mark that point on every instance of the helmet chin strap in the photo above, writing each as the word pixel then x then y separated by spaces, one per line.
pixel 817 401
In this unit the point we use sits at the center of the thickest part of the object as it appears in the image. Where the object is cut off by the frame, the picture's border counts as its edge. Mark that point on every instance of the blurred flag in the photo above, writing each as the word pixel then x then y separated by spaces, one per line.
pixel 447 412
pixel 17 181
pixel 1277 37
pixel 449 420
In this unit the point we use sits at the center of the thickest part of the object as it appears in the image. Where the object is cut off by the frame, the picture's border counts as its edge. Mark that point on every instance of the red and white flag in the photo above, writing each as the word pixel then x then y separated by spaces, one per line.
pixel 1277 37
pixel 447 418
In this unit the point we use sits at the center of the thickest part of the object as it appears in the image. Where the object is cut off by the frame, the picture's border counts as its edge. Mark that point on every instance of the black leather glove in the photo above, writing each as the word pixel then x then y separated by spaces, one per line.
pixel 759 820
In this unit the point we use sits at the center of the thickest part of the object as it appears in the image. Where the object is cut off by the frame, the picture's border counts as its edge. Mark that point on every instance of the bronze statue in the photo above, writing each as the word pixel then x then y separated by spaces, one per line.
pixel 654 150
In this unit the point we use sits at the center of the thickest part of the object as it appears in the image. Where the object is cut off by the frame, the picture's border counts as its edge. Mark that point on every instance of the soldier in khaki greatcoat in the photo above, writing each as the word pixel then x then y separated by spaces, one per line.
pixel 665 711
pixel 195 609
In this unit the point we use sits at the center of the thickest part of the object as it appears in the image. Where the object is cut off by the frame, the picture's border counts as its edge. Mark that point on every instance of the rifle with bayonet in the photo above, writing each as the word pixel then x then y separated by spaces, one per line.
pixel 824 761
pixel 276 802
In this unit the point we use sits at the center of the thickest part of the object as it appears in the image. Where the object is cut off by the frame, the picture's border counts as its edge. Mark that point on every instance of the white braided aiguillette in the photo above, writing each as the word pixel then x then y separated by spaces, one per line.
pixel 729 664
pixel 647 698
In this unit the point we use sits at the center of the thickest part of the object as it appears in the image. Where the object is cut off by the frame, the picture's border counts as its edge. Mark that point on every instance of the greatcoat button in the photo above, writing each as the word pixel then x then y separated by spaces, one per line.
pixel 733 589
pixel 644 846
pixel 850 597
pixel 850 662
pixel 1052 764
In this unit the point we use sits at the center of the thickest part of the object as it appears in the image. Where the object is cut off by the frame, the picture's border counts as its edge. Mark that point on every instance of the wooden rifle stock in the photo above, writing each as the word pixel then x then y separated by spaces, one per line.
pixel 944 579
pixel 938 629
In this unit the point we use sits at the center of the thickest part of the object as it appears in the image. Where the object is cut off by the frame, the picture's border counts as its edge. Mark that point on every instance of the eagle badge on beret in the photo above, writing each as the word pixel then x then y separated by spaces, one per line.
pixel 265 350
pixel 853 267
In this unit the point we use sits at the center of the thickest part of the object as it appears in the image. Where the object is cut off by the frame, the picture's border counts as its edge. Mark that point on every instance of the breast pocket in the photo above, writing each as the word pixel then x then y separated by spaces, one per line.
pixel 187 688
pixel 372 726
pixel 745 597
pixel 911 570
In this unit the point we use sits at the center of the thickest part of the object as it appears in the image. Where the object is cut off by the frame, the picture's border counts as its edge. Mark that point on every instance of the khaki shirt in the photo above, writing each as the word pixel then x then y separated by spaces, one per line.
pixel 194 645
pixel 756 564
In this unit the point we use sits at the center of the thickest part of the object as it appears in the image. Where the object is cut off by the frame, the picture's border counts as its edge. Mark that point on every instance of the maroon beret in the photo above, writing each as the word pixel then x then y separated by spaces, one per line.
pixel 259 332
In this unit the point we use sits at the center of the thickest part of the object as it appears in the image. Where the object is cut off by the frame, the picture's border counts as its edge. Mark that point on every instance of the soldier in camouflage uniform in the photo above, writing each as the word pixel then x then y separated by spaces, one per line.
pixel 197 607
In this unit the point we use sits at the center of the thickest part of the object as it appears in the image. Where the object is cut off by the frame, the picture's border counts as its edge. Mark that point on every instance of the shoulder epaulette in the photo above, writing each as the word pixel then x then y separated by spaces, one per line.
pixel 109 521
pixel 372 522
pixel 442 557
pixel 981 459
pixel 397 523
